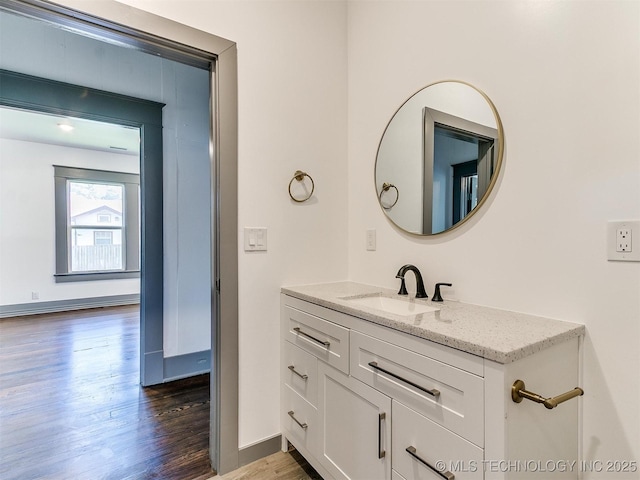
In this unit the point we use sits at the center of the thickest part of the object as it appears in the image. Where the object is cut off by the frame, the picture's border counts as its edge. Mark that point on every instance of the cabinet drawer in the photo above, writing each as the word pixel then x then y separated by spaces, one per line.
pixel 445 394
pixel 299 420
pixel 326 340
pixel 431 445
pixel 300 372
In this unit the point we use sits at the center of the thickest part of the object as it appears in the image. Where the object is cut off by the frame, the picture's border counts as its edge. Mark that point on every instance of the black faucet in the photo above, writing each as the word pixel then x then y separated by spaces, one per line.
pixel 420 293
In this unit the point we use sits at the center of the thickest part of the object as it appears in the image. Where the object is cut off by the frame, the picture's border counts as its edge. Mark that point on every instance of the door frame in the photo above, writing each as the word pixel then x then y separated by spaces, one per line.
pixel 121 24
pixel 460 171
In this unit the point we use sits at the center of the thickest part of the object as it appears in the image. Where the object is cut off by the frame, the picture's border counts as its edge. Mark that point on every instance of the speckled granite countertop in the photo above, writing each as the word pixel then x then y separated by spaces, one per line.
pixel 497 335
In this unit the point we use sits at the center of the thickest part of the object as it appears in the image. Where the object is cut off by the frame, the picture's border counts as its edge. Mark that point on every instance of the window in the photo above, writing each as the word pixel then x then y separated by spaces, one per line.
pixel 97 224
pixel 104 238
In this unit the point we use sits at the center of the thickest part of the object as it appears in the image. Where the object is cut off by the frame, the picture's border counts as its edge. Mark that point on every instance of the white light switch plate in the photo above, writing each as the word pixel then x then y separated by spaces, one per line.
pixel 623 241
pixel 255 239
pixel 371 240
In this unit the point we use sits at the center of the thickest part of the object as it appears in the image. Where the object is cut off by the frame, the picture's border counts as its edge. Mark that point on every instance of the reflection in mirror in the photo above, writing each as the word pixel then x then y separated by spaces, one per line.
pixel 438 158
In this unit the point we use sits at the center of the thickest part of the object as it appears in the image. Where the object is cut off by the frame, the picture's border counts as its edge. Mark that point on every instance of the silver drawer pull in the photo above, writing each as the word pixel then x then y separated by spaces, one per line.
pixel 303 376
pixel 381 416
pixel 433 392
pixel 297 330
pixel 302 425
pixel 447 475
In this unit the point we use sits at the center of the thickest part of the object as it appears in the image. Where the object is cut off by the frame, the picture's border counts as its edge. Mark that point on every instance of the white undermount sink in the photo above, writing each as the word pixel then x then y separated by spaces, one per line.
pixel 392 305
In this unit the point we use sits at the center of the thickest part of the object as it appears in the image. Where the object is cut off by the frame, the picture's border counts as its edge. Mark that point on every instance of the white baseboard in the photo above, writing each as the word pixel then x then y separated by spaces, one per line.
pixel 34 308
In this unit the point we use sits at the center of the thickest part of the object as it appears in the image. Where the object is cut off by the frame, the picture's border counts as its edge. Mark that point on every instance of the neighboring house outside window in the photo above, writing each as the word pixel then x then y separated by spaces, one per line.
pixel 103 238
pixel 97 224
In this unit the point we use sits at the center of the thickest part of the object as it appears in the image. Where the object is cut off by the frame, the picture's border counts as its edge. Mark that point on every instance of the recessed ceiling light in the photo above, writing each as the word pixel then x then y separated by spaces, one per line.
pixel 65 127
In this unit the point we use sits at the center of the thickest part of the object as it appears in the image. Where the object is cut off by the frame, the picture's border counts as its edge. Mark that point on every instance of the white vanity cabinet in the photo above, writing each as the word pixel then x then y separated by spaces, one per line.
pixel 338 423
pixel 365 401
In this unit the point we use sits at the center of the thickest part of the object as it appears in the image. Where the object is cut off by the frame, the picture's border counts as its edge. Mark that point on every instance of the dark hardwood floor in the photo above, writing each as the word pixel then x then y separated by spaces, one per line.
pixel 71 406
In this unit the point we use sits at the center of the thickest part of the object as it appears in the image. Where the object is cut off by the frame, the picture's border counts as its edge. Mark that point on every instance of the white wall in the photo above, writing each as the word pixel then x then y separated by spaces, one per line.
pixel 565 78
pixel 27 222
pixel 292 115
pixel 56 54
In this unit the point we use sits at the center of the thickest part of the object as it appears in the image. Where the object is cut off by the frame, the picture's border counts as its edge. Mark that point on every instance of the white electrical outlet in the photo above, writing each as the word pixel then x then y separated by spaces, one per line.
pixel 35 295
pixel 623 239
pixel 620 236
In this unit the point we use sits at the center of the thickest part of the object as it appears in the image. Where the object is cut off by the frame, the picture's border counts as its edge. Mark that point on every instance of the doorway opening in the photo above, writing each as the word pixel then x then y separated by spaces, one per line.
pixel 468 157
pixel 27 93
pixel 139 31
pixel 459 163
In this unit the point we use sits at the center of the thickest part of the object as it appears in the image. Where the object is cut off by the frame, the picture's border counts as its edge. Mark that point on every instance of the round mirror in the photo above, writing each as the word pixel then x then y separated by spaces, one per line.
pixel 439 158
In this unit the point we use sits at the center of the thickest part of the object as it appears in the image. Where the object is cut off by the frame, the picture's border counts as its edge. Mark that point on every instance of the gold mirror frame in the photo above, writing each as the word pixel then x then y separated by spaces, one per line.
pixel 380 183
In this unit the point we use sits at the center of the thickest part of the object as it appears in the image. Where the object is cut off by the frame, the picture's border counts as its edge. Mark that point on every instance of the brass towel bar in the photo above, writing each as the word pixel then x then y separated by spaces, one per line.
pixel 518 392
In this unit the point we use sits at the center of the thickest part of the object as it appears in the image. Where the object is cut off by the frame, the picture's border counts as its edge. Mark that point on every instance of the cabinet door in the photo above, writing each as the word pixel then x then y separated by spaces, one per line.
pixel 355 424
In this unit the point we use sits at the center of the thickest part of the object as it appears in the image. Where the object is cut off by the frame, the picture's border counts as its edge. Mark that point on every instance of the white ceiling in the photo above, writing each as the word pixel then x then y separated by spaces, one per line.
pixel 88 134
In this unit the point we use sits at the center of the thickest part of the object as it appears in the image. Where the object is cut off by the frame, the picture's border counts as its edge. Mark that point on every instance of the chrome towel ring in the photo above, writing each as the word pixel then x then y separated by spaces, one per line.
pixel 299 176
pixel 385 188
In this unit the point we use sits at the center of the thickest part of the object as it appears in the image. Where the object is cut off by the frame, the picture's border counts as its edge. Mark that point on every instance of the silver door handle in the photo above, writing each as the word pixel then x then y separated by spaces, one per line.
pixel 302 425
pixel 321 342
pixel 447 475
pixel 303 376
pixel 433 392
